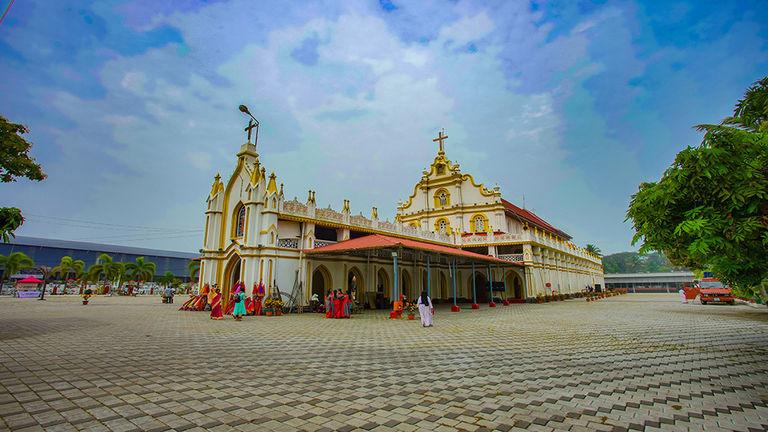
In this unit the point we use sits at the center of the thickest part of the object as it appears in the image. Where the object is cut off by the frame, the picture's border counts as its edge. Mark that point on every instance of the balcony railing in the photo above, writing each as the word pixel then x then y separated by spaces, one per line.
pixel 291 243
pixel 321 243
pixel 512 257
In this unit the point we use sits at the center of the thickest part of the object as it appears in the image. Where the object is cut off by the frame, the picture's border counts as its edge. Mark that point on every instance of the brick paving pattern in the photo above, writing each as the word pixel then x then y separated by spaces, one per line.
pixel 634 362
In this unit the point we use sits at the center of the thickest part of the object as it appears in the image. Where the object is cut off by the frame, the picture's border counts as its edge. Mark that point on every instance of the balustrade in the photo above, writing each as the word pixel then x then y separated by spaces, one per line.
pixel 291 243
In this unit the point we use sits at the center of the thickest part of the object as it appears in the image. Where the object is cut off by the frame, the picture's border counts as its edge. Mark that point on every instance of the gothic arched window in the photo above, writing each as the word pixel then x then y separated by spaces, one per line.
pixel 240 222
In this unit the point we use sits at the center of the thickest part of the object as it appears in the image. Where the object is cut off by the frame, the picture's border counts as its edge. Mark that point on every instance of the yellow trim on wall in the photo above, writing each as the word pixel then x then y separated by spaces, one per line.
pixel 436 196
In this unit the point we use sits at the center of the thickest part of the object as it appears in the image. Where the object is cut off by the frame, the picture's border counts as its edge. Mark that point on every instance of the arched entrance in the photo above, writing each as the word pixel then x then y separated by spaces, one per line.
pixel 443 287
pixel 406 285
pixel 481 287
pixel 355 281
pixel 514 285
pixel 231 277
pixel 382 289
pixel 321 281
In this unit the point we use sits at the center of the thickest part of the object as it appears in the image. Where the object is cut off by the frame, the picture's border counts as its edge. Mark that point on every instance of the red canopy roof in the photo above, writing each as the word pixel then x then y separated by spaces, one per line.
pixel 378 241
pixel 532 218
pixel 30 280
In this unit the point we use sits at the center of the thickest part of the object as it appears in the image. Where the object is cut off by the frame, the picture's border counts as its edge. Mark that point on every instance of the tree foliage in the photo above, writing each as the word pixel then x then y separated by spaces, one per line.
pixel 14 162
pixel 633 262
pixel 593 249
pixel 13 263
pixel 141 270
pixel 69 266
pixel 710 208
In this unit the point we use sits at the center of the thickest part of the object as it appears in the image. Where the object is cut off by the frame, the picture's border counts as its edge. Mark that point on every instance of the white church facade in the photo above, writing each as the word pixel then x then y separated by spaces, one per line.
pixel 452 236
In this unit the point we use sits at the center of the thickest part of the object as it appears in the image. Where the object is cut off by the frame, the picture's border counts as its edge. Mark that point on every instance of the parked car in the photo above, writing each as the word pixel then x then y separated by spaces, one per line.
pixel 713 291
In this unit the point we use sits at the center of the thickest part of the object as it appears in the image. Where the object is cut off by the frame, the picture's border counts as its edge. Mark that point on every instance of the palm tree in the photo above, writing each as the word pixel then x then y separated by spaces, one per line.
pixel 594 250
pixel 141 271
pixel 13 263
pixel 69 266
pixel 167 279
pixel 120 271
pixel 104 267
pixel 194 270
pixel 46 271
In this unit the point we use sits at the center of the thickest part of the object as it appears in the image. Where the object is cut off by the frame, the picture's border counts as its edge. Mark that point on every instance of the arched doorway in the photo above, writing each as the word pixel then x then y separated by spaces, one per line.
pixel 321 281
pixel 382 289
pixel 443 287
pixel 481 287
pixel 405 285
pixel 355 281
pixel 514 285
pixel 231 277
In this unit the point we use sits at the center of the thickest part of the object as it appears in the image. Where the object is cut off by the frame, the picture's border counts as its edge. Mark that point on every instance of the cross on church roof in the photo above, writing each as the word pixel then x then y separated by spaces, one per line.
pixel 440 138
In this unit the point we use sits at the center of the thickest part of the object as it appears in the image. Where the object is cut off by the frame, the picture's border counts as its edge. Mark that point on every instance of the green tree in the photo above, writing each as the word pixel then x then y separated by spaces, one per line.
pixel 14 162
pixel 593 250
pixel 141 270
pixel 14 263
pixel 167 279
pixel 710 208
pixel 104 268
pixel 193 268
pixel 46 271
pixel 67 267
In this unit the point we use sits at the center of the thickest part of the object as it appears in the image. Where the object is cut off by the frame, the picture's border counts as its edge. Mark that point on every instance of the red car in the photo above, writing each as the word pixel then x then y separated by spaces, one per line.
pixel 713 291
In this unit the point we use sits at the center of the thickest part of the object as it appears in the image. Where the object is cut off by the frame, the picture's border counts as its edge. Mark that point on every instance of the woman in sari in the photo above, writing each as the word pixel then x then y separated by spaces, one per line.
pixel 329 305
pixel 189 304
pixel 216 306
pixel 338 305
pixel 347 301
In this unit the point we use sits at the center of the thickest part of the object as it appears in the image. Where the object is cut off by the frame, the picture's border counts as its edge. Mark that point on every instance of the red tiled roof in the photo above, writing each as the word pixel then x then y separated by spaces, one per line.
pixel 378 241
pixel 532 218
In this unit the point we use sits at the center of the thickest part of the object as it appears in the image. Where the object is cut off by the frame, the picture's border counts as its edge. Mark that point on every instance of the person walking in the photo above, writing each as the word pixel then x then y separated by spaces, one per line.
pixel 425 309
pixel 682 296
pixel 239 300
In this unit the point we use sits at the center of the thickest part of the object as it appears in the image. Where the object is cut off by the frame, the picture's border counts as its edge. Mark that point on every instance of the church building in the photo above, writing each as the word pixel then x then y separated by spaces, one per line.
pixel 456 238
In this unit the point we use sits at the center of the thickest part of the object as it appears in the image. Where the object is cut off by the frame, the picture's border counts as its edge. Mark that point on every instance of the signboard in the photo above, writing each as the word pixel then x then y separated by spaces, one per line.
pixel 28 294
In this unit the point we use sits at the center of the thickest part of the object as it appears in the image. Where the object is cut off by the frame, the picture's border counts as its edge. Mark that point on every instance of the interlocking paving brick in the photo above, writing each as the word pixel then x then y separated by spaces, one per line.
pixel 634 362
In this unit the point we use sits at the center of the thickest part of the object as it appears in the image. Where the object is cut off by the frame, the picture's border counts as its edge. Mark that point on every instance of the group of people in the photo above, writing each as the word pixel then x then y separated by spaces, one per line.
pixel 209 299
pixel 338 304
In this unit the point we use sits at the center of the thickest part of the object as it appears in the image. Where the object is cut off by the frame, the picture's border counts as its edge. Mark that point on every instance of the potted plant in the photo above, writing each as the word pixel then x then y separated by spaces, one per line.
pixel 269 308
pixel 411 311
pixel 539 298
pixel 87 293
pixel 277 305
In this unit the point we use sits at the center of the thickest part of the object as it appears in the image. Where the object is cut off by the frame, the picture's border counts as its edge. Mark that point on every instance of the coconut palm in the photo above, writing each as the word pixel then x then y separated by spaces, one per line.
pixel 141 270
pixel 46 271
pixel 193 267
pixel 167 279
pixel 69 267
pixel 120 272
pixel 104 267
pixel 594 250
pixel 13 263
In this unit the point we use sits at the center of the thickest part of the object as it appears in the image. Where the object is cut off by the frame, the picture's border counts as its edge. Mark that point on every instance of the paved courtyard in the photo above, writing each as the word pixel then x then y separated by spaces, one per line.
pixel 634 362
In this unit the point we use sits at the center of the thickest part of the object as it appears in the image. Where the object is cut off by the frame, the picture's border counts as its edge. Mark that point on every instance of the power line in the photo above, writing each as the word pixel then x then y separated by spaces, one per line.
pixel 6 11
pixel 104 224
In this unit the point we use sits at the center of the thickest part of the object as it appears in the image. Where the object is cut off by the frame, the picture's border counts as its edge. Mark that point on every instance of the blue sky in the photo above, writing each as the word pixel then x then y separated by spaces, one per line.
pixel 132 105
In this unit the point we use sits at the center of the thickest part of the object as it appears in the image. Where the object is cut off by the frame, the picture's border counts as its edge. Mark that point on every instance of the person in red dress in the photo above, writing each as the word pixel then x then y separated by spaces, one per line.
pixel 346 303
pixel 216 306
pixel 338 305
pixel 329 305
pixel 258 298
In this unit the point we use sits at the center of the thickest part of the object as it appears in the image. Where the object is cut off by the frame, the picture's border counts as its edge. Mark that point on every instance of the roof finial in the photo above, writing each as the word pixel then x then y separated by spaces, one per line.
pixel 441 136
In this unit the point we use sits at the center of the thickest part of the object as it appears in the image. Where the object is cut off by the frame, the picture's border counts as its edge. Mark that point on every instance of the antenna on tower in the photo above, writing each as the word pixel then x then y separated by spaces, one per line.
pixel 523 201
